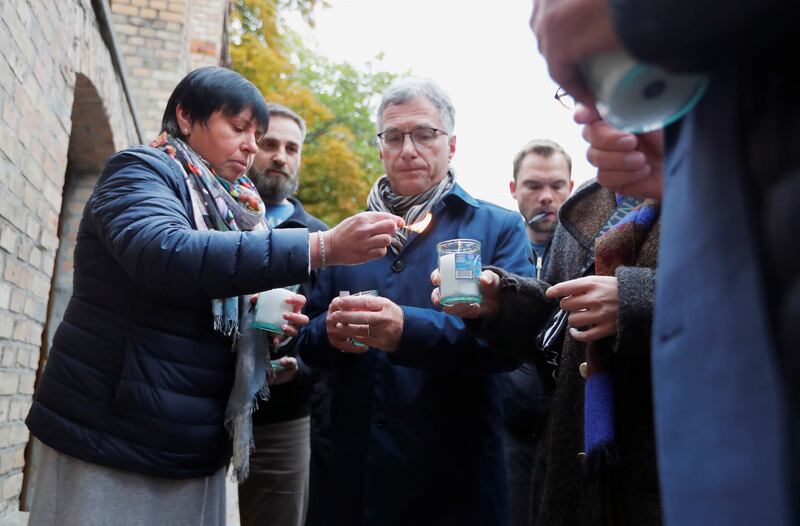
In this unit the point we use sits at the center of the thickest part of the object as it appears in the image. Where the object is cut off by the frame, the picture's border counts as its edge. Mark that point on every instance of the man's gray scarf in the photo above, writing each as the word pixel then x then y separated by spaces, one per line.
pixel 412 208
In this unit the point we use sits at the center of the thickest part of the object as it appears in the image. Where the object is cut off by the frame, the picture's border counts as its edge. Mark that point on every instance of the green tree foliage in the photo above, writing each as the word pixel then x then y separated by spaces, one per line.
pixel 337 100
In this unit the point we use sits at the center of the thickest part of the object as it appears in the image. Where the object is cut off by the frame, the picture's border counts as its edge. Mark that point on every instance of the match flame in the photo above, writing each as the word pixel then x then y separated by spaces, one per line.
pixel 421 225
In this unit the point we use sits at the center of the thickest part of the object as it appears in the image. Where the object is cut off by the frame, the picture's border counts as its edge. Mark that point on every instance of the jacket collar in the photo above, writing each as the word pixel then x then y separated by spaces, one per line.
pixel 586 211
pixel 456 194
pixel 299 217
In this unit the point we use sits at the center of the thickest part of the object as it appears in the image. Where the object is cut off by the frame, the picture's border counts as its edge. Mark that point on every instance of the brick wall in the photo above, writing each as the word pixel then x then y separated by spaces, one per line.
pixel 152 38
pixel 205 45
pixel 63 111
pixel 162 41
pixel 40 57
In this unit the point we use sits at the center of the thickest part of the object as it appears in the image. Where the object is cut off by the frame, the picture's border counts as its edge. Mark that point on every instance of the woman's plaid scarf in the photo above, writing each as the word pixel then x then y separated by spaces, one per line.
pixel 619 246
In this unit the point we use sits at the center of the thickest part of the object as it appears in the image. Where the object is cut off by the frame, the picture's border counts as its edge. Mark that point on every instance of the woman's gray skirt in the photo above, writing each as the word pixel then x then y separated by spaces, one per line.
pixel 71 492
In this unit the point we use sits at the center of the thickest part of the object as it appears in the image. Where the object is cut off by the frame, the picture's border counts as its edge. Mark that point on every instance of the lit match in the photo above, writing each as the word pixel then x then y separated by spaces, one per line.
pixel 420 225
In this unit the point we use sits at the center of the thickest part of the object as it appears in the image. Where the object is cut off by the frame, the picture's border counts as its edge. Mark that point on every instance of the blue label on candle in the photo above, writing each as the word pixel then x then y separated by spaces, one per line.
pixel 468 266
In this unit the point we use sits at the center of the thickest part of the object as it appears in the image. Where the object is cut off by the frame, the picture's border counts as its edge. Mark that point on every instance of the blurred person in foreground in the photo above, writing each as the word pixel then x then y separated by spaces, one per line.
pixel 277 490
pixel 540 184
pixel 416 418
pixel 141 383
pixel 727 316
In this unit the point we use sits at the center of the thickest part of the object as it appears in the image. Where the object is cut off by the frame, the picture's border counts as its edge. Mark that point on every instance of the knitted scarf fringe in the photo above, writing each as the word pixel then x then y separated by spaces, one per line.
pixel 254 372
pixel 240 428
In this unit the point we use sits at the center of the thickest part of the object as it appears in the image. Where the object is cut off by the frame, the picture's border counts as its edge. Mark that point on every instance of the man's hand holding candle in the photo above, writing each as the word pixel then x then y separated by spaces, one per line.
pixel 490 292
pixel 372 320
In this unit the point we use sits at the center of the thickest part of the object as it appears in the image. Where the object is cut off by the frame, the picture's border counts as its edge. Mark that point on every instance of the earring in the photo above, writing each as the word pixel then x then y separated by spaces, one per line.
pixel 186 132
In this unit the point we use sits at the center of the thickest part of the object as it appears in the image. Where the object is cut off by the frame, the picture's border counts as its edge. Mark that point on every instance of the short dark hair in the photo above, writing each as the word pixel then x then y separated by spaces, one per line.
pixel 209 89
pixel 545 148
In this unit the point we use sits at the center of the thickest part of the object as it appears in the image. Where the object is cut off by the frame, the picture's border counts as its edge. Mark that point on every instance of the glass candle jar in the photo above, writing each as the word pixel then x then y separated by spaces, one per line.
pixel 459 271
pixel 270 308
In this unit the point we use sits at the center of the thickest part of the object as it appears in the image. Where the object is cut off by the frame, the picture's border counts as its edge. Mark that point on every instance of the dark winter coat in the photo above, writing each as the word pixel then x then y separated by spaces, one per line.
pixel 137 379
pixel 561 496
pixel 526 401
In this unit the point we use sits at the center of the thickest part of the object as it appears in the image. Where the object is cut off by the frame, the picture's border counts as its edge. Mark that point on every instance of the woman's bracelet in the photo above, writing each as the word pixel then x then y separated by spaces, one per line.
pixel 321 249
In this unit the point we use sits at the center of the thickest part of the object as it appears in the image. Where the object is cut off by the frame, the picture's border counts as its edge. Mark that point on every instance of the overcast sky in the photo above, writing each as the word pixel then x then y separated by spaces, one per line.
pixel 484 57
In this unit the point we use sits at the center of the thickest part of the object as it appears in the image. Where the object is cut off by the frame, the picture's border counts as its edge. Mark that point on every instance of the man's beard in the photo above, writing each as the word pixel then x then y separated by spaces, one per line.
pixel 274 188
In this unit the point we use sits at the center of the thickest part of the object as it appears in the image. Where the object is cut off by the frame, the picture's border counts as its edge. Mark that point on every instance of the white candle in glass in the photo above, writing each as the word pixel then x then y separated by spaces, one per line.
pixel 270 308
pixel 458 261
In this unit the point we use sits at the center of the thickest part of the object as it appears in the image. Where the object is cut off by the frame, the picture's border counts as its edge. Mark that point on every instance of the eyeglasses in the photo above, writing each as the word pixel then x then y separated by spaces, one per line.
pixel 422 137
pixel 565 99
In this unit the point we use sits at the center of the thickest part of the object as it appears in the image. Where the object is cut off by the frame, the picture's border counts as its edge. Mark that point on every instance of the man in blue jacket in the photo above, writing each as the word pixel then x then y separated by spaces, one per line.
pixel 727 313
pixel 416 419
